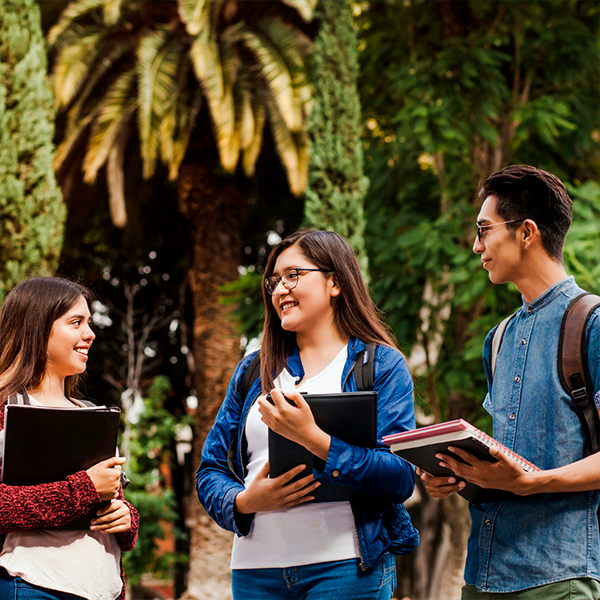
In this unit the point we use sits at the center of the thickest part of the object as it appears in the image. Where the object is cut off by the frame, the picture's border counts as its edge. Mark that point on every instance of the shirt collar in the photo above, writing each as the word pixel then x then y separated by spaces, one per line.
pixel 294 364
pixel 550 294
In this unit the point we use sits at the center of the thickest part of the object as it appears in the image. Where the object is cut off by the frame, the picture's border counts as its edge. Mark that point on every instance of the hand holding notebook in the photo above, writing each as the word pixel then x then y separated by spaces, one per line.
pixel 460 442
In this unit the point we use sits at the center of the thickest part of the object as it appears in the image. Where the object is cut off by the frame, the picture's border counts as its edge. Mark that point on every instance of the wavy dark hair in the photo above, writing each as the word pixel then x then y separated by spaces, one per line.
pixel 354 312
pixel 26 321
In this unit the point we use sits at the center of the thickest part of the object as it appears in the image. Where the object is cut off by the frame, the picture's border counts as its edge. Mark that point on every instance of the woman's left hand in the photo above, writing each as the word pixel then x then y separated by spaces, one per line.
pixel 296 423
pixel 506 474
pixel 113 518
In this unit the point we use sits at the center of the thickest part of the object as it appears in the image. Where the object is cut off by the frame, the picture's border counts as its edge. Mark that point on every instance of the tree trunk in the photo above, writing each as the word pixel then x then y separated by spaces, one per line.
pixel 214 208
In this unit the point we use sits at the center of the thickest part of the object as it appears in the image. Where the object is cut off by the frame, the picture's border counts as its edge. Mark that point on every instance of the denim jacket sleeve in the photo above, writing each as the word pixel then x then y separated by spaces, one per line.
pixel 378 472
pixel 216 484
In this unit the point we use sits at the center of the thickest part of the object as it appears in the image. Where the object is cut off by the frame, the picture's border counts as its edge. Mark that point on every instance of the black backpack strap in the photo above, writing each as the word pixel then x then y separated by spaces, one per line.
pixel 250 376
pixel 364 368
pixel 497 338
pixel 573 370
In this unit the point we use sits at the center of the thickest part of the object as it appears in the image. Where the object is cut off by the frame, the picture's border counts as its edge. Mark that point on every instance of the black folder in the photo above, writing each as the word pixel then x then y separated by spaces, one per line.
pixel 351 417
pixel 45 444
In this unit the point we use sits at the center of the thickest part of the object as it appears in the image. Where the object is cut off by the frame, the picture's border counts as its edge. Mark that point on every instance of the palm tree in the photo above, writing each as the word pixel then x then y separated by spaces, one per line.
pixel 191 80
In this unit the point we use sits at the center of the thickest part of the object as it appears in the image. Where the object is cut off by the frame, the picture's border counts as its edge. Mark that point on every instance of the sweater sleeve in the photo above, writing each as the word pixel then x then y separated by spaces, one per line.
pixel 47 504
pixel 127 539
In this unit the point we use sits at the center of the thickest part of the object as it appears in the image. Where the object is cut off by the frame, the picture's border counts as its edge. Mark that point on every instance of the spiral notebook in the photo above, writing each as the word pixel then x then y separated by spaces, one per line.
pixel 420 446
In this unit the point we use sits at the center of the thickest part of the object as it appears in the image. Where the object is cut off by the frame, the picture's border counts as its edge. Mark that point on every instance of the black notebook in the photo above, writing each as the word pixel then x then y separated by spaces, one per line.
pixel 45 444
pixel 420 446
pixel 351 417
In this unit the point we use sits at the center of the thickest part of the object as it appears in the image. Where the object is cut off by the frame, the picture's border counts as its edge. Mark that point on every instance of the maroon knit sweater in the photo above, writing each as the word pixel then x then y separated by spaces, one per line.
pixel 54 504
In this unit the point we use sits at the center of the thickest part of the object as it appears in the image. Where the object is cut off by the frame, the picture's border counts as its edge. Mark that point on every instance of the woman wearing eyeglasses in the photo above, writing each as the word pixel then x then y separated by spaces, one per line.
pixel 318 317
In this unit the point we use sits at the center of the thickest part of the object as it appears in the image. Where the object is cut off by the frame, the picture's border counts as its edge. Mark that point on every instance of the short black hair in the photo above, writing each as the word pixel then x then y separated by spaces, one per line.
pixel 524 192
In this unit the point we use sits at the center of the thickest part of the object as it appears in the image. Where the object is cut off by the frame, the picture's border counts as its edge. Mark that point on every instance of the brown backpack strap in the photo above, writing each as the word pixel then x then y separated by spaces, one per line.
pixel 573 369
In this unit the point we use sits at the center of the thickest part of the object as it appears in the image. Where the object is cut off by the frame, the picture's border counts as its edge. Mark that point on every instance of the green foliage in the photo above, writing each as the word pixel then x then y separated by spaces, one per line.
pixel 452 92
pixel 245 294
pixel 32 214
pixel 336 182
pixel 150 447
pixel 582 246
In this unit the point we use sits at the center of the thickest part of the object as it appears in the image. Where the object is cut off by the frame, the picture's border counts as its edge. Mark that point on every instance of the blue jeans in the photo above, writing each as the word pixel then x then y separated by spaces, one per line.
pixel 323 581
pixel 14 588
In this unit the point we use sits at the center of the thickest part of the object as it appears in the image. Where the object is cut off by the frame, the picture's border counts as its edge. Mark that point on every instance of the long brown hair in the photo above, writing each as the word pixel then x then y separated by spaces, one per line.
pixel 26 320
pixel 354 312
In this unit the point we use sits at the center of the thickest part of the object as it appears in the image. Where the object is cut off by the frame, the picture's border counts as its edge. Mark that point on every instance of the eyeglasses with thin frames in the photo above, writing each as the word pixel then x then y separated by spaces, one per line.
pixel 482 228
pixel 289 279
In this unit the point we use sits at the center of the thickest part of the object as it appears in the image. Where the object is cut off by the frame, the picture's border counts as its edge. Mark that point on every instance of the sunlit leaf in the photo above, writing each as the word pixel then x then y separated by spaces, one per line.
pixel 73 11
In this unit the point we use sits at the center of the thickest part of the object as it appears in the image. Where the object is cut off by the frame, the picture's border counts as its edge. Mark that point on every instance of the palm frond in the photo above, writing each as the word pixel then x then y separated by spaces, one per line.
pixel 115 178
pixel 179 119
pixel 292 148
pixel 194 15
pixel 305 8
pixel 158 63
pixel 293 46
pixel 73 67
pixel 252 150
pixel 275 72
pixel 215 73
pixel 112 11
pixel 117 50
pixel 73 11
pixel 64 148
pixel 186 120
pixel 247 121
pixel 115 111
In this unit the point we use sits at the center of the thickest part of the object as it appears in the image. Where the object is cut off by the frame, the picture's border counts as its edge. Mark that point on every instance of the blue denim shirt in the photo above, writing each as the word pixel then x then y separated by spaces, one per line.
pixel 535 540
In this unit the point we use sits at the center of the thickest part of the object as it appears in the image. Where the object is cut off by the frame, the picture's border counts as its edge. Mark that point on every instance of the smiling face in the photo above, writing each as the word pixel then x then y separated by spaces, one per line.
pixel 309 305
pixel 70 340
pixel 500 250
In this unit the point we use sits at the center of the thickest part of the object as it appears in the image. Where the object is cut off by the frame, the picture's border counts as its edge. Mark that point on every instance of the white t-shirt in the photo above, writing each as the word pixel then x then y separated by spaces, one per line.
pixel 85 563
pixel 304 534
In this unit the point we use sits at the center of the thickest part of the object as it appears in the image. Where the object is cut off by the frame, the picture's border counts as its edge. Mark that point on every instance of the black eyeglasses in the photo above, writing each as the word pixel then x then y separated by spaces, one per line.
pixel 482 228
pixel 289 279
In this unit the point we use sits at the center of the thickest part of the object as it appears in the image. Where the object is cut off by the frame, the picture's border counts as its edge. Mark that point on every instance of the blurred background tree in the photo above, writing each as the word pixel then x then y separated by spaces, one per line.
pixel 32 214
pixel 336 183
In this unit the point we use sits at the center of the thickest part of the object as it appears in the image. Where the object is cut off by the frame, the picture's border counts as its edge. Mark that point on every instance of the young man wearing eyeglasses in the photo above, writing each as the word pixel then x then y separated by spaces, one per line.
pixel 544 543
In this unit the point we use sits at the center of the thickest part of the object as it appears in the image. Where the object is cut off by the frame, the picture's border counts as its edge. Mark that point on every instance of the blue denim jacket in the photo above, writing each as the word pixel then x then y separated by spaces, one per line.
pixel 535 540
pixel 382 523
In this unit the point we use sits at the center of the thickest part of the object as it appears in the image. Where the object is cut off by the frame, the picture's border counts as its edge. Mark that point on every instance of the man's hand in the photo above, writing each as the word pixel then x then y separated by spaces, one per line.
pixel 506 474
pixel 265 494
pixel 440 487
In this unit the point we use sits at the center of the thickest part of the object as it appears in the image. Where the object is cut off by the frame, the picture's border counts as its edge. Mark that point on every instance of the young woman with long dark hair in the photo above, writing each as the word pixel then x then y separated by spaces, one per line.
pixel 318 318
pixel 45 336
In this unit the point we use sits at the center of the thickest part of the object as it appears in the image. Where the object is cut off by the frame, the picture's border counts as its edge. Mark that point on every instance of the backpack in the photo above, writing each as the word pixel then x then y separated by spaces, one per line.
pixel 572 362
